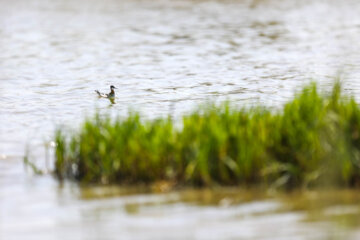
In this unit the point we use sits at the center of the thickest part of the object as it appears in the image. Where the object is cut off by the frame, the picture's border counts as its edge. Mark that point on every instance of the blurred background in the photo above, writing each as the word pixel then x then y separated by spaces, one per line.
pixel 165 57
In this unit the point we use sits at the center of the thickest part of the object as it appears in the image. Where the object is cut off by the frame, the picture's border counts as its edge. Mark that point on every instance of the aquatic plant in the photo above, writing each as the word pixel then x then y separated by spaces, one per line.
pixel 314 140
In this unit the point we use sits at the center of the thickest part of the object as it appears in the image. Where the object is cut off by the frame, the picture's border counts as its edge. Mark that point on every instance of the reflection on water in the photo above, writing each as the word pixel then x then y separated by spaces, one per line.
pixel 165 57
pixel 39 208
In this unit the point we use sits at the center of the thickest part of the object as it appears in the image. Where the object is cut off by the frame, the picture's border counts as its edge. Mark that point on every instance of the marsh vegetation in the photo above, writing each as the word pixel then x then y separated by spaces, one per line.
pixel 314 140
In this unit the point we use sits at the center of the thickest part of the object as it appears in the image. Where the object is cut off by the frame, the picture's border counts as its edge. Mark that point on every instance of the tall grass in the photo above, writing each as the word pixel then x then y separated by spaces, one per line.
pixel 313 141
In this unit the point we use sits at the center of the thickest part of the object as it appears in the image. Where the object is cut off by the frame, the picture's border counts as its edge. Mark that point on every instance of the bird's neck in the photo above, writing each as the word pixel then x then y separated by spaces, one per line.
pixel 112 91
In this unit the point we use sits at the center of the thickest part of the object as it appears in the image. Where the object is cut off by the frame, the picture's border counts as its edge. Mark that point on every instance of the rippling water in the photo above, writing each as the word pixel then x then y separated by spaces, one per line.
pixel 165 56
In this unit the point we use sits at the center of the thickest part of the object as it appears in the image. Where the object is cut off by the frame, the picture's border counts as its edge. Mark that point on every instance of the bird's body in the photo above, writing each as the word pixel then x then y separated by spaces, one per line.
pixel 110 95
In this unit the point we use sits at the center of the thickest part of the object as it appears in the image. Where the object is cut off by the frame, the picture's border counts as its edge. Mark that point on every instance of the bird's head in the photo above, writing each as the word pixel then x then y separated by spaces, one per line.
pixel 112 87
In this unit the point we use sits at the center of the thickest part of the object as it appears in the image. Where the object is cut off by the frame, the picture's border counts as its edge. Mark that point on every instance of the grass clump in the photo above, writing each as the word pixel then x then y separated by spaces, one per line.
pixel 314 140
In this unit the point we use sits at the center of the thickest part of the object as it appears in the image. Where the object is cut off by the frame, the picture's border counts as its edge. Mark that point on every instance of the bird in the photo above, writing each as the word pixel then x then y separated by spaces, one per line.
pixel 110 95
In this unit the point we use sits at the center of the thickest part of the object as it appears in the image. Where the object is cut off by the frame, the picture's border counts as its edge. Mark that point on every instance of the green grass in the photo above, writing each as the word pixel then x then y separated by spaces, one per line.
pixel 313 141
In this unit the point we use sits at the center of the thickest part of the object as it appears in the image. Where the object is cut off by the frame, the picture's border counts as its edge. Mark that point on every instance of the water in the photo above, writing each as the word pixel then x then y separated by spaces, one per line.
pixel 166 57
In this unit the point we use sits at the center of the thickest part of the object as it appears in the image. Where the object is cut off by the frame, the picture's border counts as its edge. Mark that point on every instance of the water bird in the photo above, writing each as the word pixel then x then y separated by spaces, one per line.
pixel 110 95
